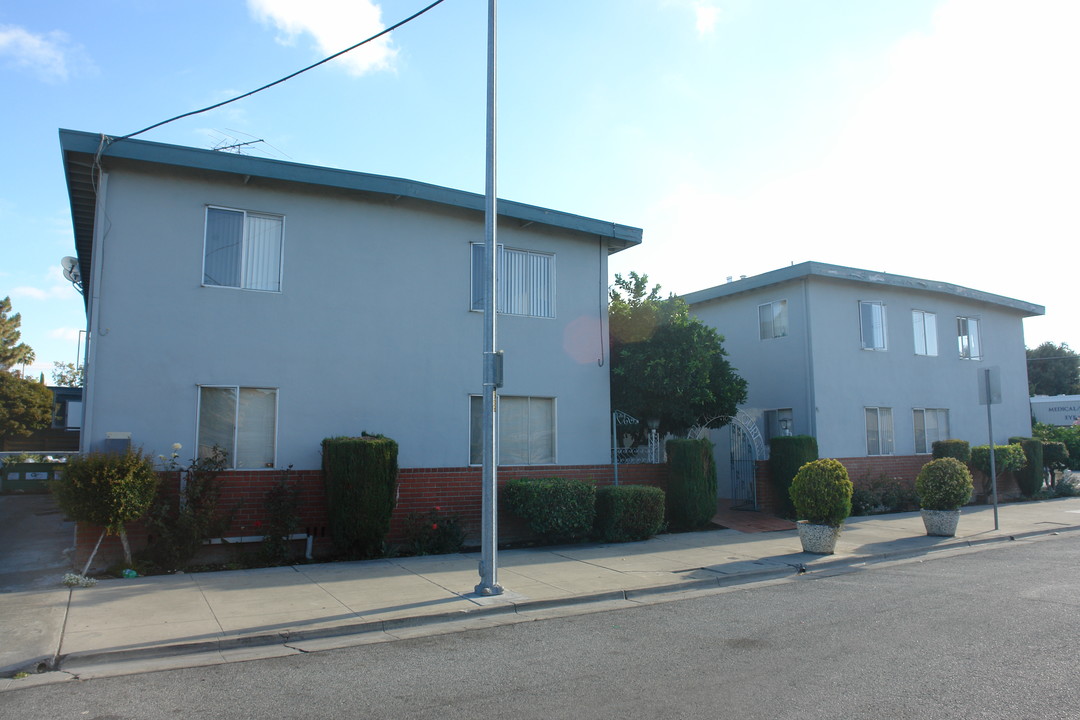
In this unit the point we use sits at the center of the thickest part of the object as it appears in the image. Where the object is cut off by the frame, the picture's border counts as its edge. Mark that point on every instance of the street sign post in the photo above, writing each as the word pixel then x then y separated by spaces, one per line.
pixel 990 394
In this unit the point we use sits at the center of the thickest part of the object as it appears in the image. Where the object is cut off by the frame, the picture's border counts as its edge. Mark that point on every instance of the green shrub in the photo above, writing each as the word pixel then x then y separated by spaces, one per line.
pixel 433 533
pixel 1067 434
pixel 691 489
pixel 177 525
pixel 883 495
pixel 360 475
pixel 107 489
pixel 821 492
pixel 1006 458
pixel 281 508
pixel 625 513
pixel 943 484
pixel 557 509
pixel 787 454
pixel 1030 477
pixel 959 449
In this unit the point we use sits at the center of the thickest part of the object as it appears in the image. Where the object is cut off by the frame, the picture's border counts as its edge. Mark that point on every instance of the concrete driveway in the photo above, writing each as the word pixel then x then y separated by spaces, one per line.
pixel 35 543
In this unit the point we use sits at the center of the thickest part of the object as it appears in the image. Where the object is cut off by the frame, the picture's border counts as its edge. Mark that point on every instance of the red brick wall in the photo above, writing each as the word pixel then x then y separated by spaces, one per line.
pixel 862 470
pixel 456 491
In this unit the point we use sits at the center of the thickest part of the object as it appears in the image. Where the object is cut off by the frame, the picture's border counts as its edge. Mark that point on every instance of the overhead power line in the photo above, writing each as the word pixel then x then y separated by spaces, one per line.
pixel 287 77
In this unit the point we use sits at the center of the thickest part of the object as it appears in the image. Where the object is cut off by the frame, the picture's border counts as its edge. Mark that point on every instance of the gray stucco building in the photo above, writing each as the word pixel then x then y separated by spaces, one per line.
pixel 875 366
pixel 263 306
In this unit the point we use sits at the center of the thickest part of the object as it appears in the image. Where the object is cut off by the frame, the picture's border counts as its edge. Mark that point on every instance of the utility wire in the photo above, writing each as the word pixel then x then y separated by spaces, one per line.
pixel 287 77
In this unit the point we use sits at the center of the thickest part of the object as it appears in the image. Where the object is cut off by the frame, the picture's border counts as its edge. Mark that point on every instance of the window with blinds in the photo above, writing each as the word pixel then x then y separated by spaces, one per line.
pixel 242 249
pixel 526 282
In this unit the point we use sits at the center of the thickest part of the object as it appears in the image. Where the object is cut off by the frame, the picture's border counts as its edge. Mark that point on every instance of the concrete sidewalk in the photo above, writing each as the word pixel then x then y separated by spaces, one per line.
pixel 184 620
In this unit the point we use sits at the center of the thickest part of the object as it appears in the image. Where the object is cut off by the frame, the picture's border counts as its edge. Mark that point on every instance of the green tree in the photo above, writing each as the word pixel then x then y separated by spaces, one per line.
pixel 1053 370
pixel 68 374
pixel 25 405
pixel 665 364
pixel 12 352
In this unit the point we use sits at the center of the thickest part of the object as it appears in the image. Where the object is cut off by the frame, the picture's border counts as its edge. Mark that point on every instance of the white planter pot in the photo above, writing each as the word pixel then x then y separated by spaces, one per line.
pixel 818 539
pixel 941 523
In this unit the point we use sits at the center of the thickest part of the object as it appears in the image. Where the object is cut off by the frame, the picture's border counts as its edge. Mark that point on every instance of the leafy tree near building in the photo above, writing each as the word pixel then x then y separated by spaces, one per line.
pixel 68 374
pixel 25 405
pixel 12 352
pixel 665 364
pixel 1053 370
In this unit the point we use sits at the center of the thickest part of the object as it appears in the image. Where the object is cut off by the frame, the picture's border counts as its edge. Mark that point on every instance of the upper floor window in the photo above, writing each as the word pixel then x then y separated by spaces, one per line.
pixel 242 421
pixel 242 249
pixel 526 430
pixel 526 282
pixel 931 425
pixel 925 328
pixel 879 431
pixel 872 324
pixel 968 339
pixel 772 319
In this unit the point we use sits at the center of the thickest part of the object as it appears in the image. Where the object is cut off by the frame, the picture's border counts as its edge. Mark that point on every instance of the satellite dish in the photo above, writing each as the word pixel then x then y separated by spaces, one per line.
pixel 71 271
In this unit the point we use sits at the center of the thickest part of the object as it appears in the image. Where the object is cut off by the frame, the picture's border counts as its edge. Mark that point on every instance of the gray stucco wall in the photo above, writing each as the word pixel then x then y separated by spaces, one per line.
pixel 839 379
pixel 371 330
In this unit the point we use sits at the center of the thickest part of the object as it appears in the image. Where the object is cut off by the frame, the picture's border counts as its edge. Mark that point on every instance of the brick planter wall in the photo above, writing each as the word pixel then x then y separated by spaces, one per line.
pixel 456 491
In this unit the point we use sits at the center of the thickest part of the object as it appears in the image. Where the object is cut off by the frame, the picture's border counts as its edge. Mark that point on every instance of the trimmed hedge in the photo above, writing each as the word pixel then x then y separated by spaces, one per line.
pixel 1006 457
pixel 557 509
pixel 1030 477
pixel 821 492
pixel 106 489
pixel 360 475
pixel 788 453
pixel 958 449
pixel 691 489
pixel 944 484
pixel 625 513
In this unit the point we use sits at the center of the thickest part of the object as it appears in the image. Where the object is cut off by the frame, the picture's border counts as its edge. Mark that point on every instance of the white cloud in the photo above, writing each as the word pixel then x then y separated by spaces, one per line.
pixel 334 25
pixel 66 333
pixel 707 15
pixel 960 166
pixel 53 286
pixel 51 56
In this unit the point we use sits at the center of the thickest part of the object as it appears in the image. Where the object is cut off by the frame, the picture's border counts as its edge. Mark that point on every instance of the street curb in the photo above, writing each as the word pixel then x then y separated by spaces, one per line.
pixel 635 595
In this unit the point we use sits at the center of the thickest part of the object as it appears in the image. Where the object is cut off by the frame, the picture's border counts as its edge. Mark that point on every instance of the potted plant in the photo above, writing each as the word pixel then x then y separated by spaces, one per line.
pixel 943 486
pixel 821 493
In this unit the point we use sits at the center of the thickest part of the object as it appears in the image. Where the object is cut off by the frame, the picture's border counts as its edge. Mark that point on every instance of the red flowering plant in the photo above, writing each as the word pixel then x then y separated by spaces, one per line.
pixel 433 533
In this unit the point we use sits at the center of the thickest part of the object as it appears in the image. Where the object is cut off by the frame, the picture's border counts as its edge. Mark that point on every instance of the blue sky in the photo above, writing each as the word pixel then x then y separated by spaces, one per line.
pixel 931 138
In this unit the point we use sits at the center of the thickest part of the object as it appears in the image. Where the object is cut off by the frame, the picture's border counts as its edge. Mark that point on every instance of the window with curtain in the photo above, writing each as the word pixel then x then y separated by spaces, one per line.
pixel 931 425
pixel 967 338
pixel 773 320
pixel 924 325
pixel 872 323
pixel 242 249
pixel 526 430
pixel 879 431
pixel 526 282
pixel 242 421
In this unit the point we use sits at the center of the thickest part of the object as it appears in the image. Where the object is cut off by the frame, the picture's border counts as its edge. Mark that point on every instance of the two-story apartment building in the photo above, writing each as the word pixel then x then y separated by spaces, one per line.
pixel 876 366
pixel 263 306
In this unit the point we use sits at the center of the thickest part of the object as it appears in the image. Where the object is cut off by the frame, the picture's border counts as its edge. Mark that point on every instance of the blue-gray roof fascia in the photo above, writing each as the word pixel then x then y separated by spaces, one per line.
pixel 623 236
pixel 868 277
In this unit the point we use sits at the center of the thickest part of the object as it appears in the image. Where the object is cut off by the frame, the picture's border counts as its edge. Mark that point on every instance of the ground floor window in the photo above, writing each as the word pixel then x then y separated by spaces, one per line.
pixel 879 431
pixel 526 430
pixel 931 424
pixel 240 420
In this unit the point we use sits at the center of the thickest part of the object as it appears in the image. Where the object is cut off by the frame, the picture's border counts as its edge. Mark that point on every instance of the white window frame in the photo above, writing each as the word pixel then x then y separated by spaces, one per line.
pixel 520 272
pixel 884 440
pixel 477 401
pixel 924 443
pixel 773 320
pixel 248 262
pixel 969 344
pixel 924 327
pixel 872 342
pixel 236 425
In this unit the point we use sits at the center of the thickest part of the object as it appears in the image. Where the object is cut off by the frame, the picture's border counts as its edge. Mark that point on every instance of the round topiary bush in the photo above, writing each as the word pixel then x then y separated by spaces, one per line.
pixel 821 492
pixel 943 484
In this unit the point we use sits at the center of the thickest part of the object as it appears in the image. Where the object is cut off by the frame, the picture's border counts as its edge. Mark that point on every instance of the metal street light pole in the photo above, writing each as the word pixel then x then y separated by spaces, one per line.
pixel 489 562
